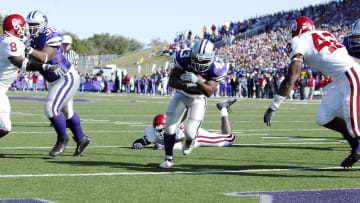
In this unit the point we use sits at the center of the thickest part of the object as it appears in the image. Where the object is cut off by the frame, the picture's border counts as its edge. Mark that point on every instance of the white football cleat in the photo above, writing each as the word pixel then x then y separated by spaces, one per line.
pixel 168 163
pixel 189 146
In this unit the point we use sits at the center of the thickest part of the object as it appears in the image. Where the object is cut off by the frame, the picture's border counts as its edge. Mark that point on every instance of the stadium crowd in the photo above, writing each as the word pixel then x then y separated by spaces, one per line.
pixel 256 65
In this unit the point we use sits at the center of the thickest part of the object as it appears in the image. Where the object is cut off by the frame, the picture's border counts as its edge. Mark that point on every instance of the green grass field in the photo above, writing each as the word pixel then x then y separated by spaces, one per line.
pixel 110 171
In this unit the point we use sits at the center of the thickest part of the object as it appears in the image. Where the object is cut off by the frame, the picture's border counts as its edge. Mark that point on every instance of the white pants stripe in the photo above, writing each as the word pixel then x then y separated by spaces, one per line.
pixel 60 95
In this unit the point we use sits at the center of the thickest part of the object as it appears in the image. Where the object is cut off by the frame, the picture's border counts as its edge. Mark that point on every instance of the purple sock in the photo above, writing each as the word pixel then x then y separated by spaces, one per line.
pixel 59 124
pixel 74 124
pixel 169 142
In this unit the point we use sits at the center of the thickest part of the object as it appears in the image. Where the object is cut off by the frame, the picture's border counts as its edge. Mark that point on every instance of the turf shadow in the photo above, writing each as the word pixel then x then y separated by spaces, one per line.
pixel 217 169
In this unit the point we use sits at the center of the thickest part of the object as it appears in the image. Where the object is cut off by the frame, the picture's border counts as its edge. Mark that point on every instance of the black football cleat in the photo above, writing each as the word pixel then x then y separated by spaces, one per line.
pixel 81 145
pixel 59 147
pixel 351 159
pixel 226 104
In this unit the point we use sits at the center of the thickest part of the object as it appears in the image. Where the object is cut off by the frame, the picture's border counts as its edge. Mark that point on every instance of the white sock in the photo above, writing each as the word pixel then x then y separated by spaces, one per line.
pixel 223 112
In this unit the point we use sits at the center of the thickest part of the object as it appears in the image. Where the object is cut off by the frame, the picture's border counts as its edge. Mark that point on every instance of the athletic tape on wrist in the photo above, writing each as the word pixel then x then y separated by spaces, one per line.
pixel 46 58
pixel 24 64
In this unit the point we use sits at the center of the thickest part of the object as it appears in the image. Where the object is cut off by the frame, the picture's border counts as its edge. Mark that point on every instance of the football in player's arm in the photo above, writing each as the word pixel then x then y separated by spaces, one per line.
pixel 188 80
pixel 195 76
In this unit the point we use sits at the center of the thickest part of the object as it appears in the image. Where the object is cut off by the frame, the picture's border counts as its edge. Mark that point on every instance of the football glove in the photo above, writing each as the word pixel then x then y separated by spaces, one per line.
pixel 57 69
pixel 137 145
pixel 269 114
pixel 158 146
pixel 190 77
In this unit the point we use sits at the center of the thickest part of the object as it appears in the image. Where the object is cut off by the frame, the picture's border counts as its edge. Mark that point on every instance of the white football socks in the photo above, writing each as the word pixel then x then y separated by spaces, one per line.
pixel 224 112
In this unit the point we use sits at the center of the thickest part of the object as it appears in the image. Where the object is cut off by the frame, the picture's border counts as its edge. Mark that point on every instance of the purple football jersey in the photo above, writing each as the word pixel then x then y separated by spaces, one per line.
pixel 52 38
pixel 216 71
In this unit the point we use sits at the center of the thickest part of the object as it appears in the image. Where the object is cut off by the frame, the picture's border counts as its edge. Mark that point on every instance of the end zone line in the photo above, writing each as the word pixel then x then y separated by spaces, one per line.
pixel 171 173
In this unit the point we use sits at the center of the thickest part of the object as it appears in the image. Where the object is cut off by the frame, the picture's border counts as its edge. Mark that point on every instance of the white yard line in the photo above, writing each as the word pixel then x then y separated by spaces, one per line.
pixel 263 144
pixel 169 173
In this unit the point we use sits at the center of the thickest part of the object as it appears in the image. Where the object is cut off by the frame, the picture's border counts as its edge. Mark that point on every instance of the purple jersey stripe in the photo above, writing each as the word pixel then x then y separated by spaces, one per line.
pixel 58 94
pixel 67 91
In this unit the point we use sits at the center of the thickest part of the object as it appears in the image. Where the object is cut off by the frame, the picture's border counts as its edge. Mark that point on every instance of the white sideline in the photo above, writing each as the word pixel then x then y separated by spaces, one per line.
pixel 170 173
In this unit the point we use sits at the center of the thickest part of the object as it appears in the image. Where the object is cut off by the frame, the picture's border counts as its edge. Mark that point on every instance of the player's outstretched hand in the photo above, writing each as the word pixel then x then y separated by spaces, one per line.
pixel 57 69
pixel 137 145
pixel 269 114
pixel 190 77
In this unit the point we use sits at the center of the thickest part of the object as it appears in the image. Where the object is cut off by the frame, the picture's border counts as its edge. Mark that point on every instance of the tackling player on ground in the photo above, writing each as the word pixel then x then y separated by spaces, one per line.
pixel 45 46
pixel 195 77
pixel 12 57
pixel 339 109
pixel 155 134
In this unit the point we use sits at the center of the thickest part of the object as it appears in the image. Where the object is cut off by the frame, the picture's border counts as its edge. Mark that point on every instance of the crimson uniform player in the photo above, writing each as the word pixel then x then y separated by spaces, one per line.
pixel 12 57
pixel 154 134
pixel 339 109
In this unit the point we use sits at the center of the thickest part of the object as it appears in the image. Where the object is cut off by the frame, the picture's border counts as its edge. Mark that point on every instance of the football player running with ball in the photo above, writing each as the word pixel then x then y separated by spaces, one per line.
pixel 45 46
pixel 12 57
pixel 155 134
pixel 339 109
pixel 195 76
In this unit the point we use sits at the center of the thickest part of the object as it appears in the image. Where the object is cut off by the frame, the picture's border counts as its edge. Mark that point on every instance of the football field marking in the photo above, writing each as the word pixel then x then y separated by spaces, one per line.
pixel 170 172
pixel 115 146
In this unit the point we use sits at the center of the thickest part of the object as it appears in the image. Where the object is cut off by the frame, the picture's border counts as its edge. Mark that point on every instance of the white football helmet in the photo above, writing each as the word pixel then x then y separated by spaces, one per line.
pixel 354 39
pixel 202 55
pixel 37 22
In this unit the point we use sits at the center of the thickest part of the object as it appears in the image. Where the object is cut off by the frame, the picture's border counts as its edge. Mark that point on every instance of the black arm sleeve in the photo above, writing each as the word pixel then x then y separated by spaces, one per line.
pixel 143 141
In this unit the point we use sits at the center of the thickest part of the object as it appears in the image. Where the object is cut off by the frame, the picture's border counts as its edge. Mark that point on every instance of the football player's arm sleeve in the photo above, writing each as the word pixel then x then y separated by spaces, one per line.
pixel 143 140
pixel 292 76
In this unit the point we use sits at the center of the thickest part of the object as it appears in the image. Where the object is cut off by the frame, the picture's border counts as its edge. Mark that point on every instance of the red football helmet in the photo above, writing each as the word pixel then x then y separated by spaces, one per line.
pixel 159 124
pixel 301 25
pixel 14 25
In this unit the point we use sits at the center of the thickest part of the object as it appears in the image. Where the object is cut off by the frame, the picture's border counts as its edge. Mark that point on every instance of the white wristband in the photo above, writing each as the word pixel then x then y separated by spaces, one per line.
pixel 24 64
pixel 30 51
pixel 46 58
pixel 276 102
